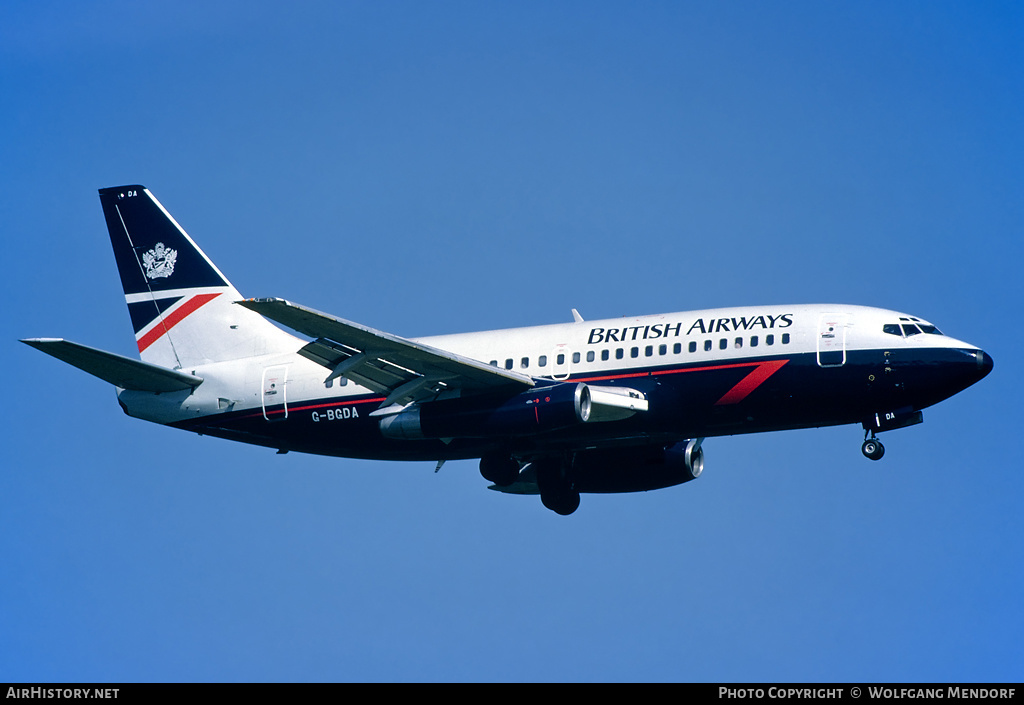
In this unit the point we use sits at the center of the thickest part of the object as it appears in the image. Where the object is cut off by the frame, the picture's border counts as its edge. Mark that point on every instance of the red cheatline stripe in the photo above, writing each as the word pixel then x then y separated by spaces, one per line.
pixel 374 400
pixel 308 407
pixel 174 318
pixel 676 371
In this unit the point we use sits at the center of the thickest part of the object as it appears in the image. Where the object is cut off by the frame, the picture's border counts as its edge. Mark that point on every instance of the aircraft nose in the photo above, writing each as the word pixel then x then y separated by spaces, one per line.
pixel 984 363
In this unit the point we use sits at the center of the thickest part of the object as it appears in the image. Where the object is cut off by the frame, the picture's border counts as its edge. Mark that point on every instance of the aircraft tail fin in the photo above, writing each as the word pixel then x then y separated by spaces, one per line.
pixel 181 306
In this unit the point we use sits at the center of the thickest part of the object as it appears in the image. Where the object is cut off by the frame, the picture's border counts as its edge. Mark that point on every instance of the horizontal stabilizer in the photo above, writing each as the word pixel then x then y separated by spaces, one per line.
pixel 118 370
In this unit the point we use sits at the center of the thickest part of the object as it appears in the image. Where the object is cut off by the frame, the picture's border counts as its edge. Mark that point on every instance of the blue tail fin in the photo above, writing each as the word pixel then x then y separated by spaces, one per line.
pixel 181 306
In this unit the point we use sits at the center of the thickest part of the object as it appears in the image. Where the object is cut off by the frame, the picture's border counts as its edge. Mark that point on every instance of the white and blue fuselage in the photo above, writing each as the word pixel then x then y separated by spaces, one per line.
pixel 589 406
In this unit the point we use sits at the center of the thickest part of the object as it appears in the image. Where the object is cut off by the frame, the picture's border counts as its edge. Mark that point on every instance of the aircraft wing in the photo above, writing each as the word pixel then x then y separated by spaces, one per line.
pixel 403 370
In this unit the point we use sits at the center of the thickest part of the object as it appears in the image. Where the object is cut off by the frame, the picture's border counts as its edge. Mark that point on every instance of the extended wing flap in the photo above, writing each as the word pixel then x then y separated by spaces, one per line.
pixel 366 369
pixel 118 370
pixel 383 362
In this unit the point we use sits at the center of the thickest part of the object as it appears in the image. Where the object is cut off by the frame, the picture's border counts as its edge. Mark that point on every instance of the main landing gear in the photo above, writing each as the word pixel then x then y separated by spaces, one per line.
pixel 553 477
pixel 557 490
pixel 872 448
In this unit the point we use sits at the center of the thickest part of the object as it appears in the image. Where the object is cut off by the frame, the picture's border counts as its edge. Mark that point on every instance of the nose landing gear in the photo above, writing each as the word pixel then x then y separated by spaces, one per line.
pixel 872 448
pixel 886 421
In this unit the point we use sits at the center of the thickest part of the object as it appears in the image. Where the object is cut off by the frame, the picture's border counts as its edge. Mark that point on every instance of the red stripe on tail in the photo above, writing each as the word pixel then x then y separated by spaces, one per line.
pixel 174 318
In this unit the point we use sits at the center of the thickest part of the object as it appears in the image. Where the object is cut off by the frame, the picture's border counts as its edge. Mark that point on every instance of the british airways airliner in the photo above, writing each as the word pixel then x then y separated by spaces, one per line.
pixel 619 405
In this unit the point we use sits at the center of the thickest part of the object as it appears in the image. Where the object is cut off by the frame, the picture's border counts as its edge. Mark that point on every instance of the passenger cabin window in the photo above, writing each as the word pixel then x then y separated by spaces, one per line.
pixel 542 361
pixel 575 357
pixel 590 356
pixel 508 364
pixel 785 338
pixel 693 346
pixel 605 354
pixel 524 363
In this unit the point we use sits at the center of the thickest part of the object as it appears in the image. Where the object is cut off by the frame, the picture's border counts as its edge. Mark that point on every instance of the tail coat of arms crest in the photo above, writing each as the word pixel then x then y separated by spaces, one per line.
pixel 159 262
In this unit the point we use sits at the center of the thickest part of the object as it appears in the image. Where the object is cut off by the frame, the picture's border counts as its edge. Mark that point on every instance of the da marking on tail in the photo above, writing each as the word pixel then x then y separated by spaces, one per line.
pixel 619 405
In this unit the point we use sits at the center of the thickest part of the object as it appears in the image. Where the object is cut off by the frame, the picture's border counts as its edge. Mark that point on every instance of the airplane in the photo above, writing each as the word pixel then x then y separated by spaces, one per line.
pixel 617 405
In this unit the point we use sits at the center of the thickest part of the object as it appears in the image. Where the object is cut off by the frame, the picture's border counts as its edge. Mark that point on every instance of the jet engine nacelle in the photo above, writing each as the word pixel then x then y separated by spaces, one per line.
pixel 544 409
pixel 637 470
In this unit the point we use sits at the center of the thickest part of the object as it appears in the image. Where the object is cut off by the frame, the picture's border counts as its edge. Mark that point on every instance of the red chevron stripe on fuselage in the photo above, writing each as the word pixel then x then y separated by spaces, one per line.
pixel 739 391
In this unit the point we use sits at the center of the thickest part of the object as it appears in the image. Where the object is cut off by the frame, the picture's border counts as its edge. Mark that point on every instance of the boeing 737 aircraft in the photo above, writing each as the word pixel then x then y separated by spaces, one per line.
pixel 618 405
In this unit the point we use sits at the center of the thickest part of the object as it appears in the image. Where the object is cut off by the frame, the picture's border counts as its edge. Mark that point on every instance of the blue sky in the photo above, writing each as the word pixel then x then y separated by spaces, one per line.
pixel 444 167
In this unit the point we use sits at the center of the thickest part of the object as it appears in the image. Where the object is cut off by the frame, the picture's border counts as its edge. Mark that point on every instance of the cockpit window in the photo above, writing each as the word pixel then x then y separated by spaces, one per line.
pixel 909 329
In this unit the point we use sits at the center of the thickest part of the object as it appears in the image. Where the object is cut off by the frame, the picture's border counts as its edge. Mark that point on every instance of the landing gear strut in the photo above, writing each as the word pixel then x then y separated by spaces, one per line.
pixel 872 448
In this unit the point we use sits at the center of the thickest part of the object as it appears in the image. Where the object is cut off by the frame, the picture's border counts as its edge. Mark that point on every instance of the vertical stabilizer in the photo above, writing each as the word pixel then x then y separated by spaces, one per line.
pixel 181 306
